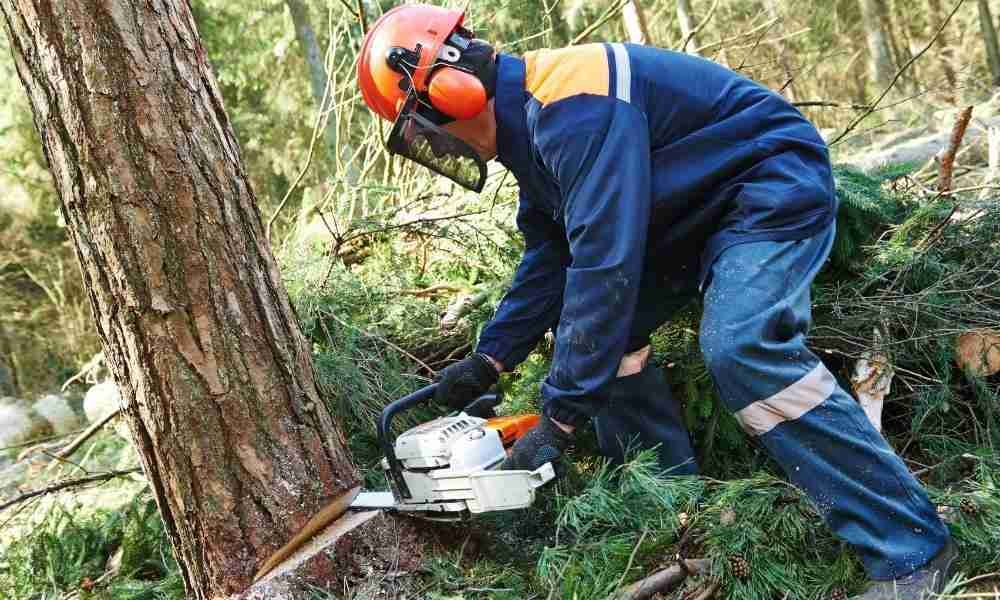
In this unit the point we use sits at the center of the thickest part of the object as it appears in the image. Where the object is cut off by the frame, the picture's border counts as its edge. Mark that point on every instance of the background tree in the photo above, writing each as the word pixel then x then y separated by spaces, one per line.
pixel 990 40
pixel 318 80
pixel 946 54
pixel 880 53
pixel 685 19
pixel 216 378
pixel 634 17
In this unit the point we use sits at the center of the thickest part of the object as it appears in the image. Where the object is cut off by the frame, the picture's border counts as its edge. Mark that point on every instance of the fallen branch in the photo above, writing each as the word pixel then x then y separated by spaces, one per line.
pixel 461 307
pixel 83 437
pixel 39 441
pixel 946 166
pixel 69 483
pixel 660 580
pixel 826 103
pixel 432 290
pixel 709 591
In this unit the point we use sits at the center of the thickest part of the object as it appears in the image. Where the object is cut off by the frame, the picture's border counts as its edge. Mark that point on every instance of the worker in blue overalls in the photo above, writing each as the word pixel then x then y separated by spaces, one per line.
pixel 648 177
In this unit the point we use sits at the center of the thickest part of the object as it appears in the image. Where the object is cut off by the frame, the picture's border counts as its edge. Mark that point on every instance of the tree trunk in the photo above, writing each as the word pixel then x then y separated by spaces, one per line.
pixel 8 371
pixel 215 376
pixel 879 52
pixel 635 23
pixel 556 22
pixel 686 20
pixel 990 39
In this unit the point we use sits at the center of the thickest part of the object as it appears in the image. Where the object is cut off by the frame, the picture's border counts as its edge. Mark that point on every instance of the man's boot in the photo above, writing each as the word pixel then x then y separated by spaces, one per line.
pixel 923 584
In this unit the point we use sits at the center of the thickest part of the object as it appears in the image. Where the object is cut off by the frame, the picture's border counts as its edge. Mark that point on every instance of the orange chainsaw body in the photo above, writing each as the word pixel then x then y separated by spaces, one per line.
pixel 512 428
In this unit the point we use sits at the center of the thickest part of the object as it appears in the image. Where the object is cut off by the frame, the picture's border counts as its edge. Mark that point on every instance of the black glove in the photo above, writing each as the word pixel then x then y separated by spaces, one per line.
pixel 464 381
pixel 545 443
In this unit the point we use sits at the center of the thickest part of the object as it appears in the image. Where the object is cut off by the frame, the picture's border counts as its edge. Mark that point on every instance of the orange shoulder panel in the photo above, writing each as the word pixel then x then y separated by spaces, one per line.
pixel 551 75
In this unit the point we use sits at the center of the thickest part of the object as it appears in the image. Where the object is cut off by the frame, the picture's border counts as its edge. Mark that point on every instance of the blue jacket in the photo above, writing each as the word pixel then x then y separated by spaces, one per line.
pixel 635 162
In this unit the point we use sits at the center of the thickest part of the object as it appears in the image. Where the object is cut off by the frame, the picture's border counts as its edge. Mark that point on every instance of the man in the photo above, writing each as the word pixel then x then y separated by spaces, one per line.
pixel 647 177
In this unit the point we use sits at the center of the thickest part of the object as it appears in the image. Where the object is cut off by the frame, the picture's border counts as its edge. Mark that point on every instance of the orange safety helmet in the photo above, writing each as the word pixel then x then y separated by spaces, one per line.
pixel 412 46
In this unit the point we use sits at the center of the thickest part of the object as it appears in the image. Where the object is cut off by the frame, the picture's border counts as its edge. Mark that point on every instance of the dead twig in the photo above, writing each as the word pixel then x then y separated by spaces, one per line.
pixel 826 103
pixel 316 134
pixel 631 558
pixel 946 166
pixel 607 16
pixel 432 291
pixel 69 483
pixel 378 338
pixel 92 364
pixel 696 29
pixel 662 579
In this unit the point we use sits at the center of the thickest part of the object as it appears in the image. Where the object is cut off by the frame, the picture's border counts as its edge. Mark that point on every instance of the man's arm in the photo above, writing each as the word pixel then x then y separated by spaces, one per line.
pixel 597 147
pixel 532 304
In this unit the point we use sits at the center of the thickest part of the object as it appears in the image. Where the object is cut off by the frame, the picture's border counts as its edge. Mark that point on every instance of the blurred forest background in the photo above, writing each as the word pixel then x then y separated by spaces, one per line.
pixel 392 272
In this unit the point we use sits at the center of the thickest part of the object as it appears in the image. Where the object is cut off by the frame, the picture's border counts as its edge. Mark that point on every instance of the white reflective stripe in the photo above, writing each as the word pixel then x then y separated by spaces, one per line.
pixel 623 73
pixel 789 404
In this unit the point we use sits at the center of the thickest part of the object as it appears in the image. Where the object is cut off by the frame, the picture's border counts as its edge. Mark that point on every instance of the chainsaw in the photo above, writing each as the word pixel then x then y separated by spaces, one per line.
pixel 447 469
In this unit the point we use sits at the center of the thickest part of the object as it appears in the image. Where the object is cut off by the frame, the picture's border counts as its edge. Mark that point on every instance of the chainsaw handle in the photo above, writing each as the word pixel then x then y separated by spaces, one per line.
pixel 483 406
pixel 387 441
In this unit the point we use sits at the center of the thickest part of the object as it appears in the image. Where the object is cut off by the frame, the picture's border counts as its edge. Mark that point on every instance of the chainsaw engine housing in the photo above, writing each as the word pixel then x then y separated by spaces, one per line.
pixel 449 466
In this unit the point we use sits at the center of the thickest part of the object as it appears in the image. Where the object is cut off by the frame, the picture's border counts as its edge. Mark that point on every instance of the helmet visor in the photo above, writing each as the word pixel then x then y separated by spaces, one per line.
pixel 420 140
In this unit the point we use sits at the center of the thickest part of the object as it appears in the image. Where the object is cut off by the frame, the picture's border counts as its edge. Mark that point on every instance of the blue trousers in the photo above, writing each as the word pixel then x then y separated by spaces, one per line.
pixel 757 311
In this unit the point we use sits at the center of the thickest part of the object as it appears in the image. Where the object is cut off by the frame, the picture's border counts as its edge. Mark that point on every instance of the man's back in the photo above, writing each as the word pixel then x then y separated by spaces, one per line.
pixel 726 153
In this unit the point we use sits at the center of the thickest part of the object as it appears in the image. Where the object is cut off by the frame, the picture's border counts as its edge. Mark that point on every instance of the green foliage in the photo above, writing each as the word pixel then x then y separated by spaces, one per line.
pixel 71 545
pixel 632 517
pixel 866 211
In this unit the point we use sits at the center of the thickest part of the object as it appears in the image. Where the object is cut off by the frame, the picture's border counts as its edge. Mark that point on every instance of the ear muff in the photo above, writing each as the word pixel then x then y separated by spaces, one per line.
pixel 458 94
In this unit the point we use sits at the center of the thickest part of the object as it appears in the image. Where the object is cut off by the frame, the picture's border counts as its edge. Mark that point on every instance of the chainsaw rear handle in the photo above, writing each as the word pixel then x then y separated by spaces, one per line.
pixel 480 407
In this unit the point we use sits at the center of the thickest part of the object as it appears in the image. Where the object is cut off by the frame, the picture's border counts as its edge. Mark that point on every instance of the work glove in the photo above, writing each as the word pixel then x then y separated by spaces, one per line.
pixel 464 381
pixel 545 443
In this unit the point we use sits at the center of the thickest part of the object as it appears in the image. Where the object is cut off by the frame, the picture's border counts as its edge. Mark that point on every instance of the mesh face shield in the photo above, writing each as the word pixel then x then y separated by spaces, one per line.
pixel 420 140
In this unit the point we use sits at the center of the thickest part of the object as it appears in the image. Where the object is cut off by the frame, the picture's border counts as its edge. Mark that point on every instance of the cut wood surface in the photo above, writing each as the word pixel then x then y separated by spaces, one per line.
pixel 979 352
pixel 282 582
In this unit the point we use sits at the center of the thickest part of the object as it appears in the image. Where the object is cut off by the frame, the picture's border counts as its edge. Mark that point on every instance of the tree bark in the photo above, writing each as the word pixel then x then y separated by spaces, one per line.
pixel 990 39
pixel 686 21
pixel 879 51
pixel 216 378
pixel 635 23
